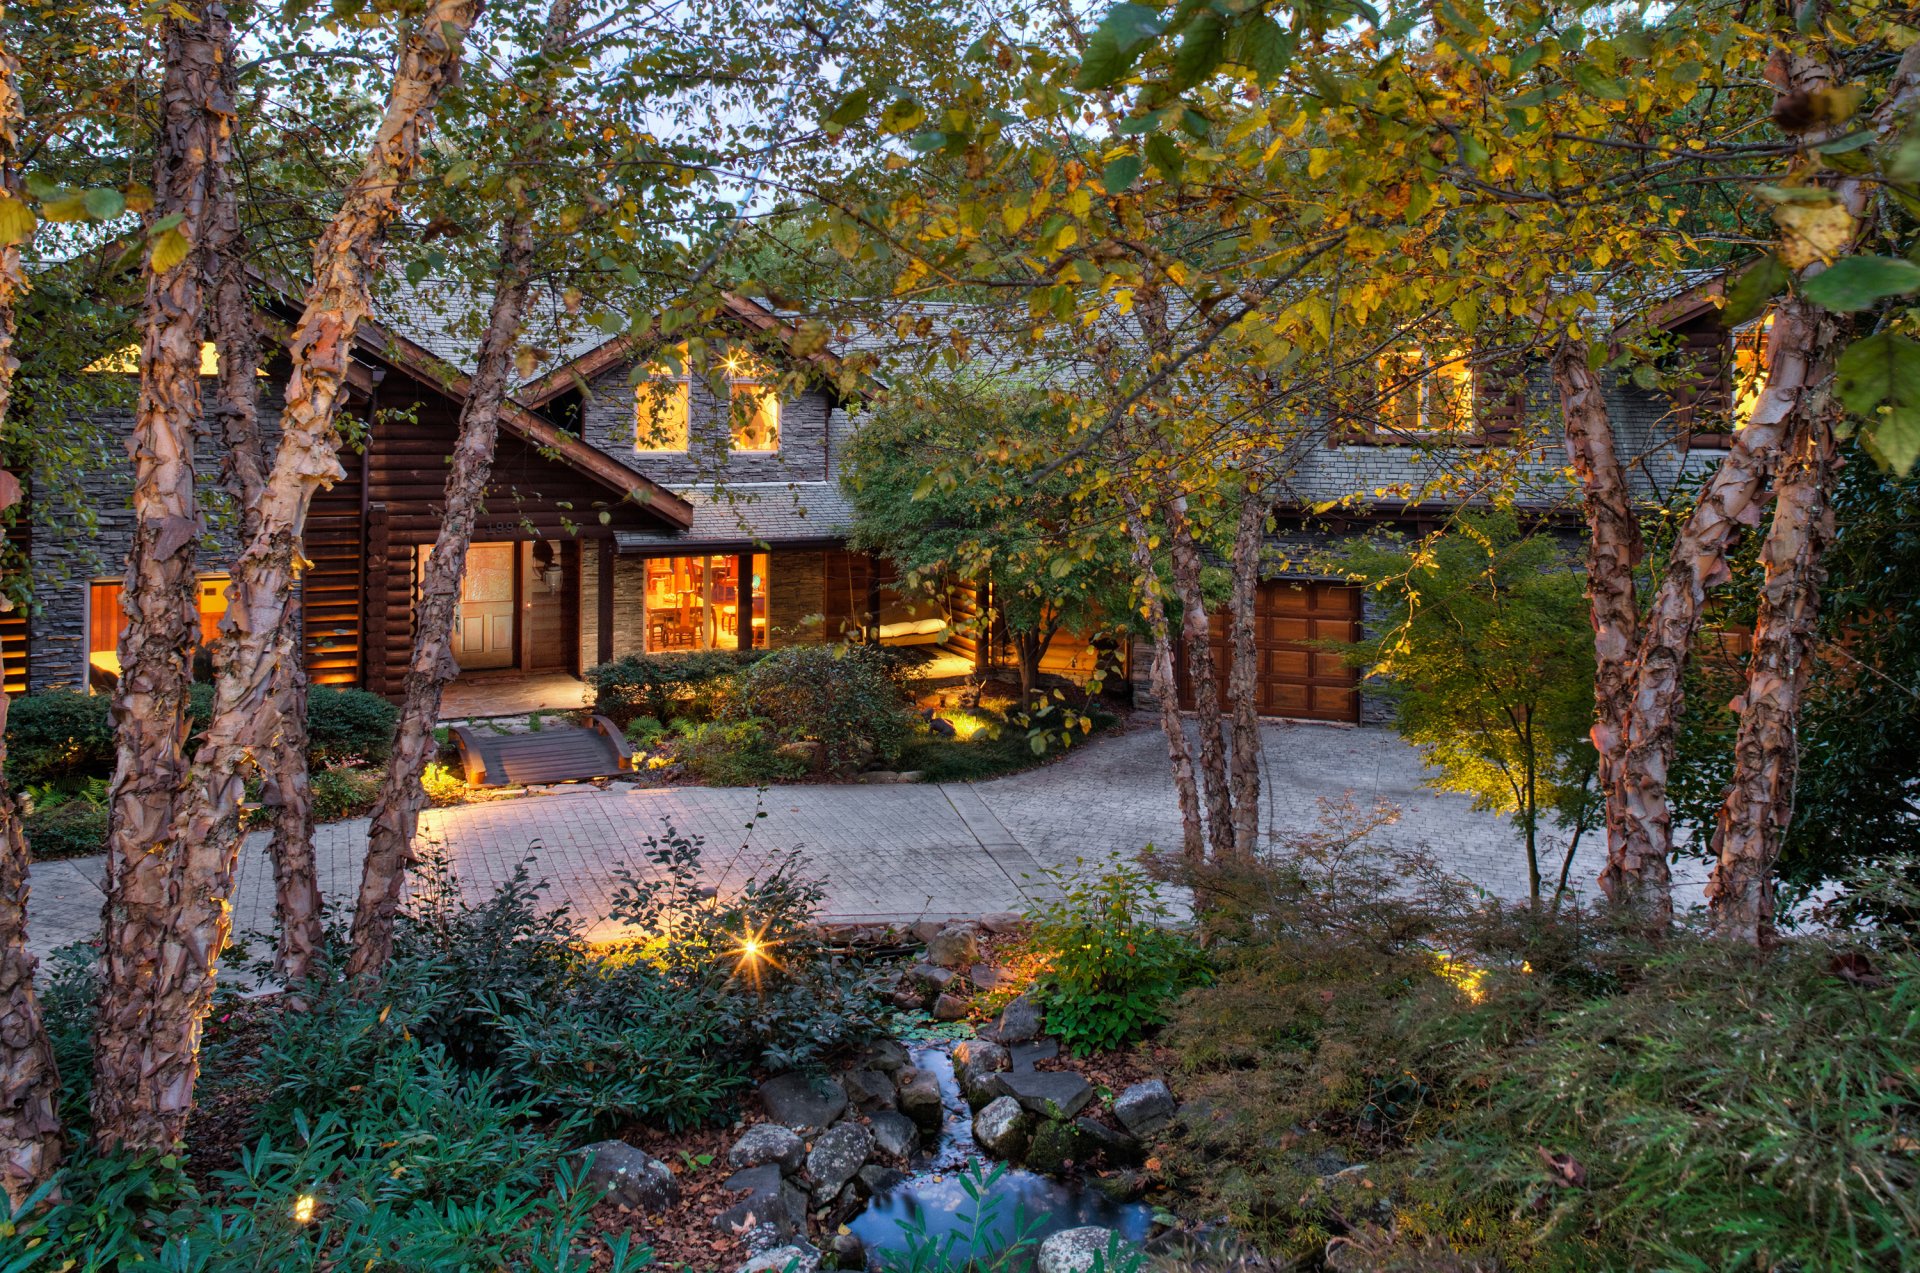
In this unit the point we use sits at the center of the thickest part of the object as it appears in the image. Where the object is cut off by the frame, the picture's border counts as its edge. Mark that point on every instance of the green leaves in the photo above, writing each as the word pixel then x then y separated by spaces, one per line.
pixel 849 111
pixel 1749 294
pixel 1878 380
pixel 1854 283
pixel 1200 51
pixel 1597 83
pixel 1259 44
pixel 1121 173
pixel 104 203
pixel 1166 156
pixel 1115 44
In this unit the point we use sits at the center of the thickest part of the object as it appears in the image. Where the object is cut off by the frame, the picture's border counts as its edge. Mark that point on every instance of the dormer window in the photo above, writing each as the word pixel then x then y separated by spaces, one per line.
pixel 1749 367
pixel 1425 394
pixel 755 407
pixel 662 404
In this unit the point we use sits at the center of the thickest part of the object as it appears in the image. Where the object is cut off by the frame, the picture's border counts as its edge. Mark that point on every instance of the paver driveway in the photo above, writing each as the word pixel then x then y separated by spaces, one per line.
pixel 892 852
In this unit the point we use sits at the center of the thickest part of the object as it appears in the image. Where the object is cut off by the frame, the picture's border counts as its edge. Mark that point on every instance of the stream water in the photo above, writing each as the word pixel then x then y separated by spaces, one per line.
pixel 933 1200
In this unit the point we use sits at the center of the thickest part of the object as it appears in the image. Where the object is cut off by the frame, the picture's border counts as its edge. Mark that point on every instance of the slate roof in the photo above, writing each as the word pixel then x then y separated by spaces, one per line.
pixel 753 512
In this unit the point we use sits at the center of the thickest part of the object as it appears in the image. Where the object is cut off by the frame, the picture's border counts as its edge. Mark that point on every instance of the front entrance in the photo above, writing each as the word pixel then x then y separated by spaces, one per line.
pixel 484 627
pixel 1297 678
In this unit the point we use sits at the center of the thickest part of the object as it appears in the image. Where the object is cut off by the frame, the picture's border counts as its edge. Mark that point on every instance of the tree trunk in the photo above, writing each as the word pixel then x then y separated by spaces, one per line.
pixel 1759 803
pixel 30 1140
pixel 147 1089
pixel 1614 551
pixel 144 1052
pixel 396 815
pixel 1197 632
pixel 1243 678
pixel 1165 688
pixel 283 763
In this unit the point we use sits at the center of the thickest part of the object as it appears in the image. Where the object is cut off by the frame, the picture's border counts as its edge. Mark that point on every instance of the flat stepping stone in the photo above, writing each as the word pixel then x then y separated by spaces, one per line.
pixel 1023 1055
pixel 1058 1094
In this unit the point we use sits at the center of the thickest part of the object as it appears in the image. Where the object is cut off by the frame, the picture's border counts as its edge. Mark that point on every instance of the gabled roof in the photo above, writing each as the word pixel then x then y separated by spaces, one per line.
pixel 407 355
pixel 629 483
pixel 614 350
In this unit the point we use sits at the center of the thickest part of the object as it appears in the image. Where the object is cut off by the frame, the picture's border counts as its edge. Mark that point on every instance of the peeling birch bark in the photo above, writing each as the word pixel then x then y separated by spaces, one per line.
pixel 283 763
pixel 1193 844
pixel 1758 807
pixel 204 833
pixel 1196 630
pixel 396 813
pixel 144 1046
pixel 1614 551
pixel 1243 677
pixel 30 1139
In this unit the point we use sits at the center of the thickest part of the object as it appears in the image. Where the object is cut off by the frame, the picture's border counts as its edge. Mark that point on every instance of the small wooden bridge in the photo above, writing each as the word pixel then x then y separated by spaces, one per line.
pixel 558 753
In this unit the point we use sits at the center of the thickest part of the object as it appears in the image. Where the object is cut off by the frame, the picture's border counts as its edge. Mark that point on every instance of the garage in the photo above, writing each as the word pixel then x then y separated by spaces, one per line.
pixel 1297 679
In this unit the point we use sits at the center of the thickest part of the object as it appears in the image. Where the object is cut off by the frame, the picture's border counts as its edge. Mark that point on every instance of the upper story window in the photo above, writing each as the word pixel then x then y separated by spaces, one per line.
pixel 126 362
pixel 754 412
pixel 1425 394
pixel 662 404
pixel 1749 367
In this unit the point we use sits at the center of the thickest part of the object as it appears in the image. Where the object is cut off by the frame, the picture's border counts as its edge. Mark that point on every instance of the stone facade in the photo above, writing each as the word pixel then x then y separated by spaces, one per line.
pixel 796 594
pixel 66 559
pixel 609 420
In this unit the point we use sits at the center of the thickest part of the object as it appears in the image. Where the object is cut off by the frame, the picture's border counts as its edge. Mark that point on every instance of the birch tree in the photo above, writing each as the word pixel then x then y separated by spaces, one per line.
pixel 168 915
pixel 30 1137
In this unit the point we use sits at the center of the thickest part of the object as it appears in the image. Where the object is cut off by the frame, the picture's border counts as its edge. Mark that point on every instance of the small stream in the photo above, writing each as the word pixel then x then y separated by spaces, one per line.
pixel 933 1198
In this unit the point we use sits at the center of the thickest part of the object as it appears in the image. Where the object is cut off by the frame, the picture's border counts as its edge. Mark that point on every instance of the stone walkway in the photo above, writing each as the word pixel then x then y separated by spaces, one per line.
pixel 900 852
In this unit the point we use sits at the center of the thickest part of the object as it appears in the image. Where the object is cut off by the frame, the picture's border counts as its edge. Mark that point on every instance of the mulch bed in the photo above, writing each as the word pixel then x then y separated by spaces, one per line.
pixel 683 1239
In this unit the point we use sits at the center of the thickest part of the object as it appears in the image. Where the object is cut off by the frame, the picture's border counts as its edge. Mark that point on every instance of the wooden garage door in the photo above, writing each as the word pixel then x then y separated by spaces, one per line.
pixel 1296 678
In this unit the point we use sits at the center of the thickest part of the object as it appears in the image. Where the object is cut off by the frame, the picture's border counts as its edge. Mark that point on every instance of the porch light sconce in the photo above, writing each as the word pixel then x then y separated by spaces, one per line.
pixel 553 576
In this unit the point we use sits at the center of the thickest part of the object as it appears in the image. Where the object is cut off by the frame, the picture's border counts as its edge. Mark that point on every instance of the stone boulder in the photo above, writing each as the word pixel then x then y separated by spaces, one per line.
pixel 886 1056
pixel 803 1100
pixel 1056 1094
pixel 918 1092
pixel 837 1156
pixel 895 1134
pixel 631 1177
pixel 1003 1129
pixel 1081 1250
pixel 949 1007
pixel 812 755
pixel 977 1063
pixel 1056 1146
pixel 1000 923
pixel 774 1204
pixel 955 947
pixel 1145 1108
pixel 783 1259
pixel 848 1251
pixel 1019 1022
pixel 768 1143
pixel 868 1089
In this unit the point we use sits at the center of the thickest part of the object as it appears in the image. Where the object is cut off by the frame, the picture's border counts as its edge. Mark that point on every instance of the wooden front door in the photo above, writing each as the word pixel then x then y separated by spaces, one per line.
pixel 484 630
pixel 1297 677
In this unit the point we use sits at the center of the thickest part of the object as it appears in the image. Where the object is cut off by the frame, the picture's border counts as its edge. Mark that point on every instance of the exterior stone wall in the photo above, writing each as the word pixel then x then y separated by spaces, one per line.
pixel 629 606
pixel 67 558
pixel 608 421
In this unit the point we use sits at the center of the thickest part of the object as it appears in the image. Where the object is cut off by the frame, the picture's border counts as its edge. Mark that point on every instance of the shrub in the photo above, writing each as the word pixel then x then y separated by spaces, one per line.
pixel 72 828
pixel 667 687
pixel 347 723
pixel 645 732
pixel 338 792
pixel 1109 965
pixel 59 734
pixel 734 754
pixel 842 697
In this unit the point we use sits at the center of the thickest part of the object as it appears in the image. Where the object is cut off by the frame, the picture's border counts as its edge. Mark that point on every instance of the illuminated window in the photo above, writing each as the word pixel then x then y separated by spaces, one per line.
pixel 1424 398
pixel 694 603
pixel 663 404
pixel 126 362
pixel 107 623
pixel 1749 368
pixel 755 409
